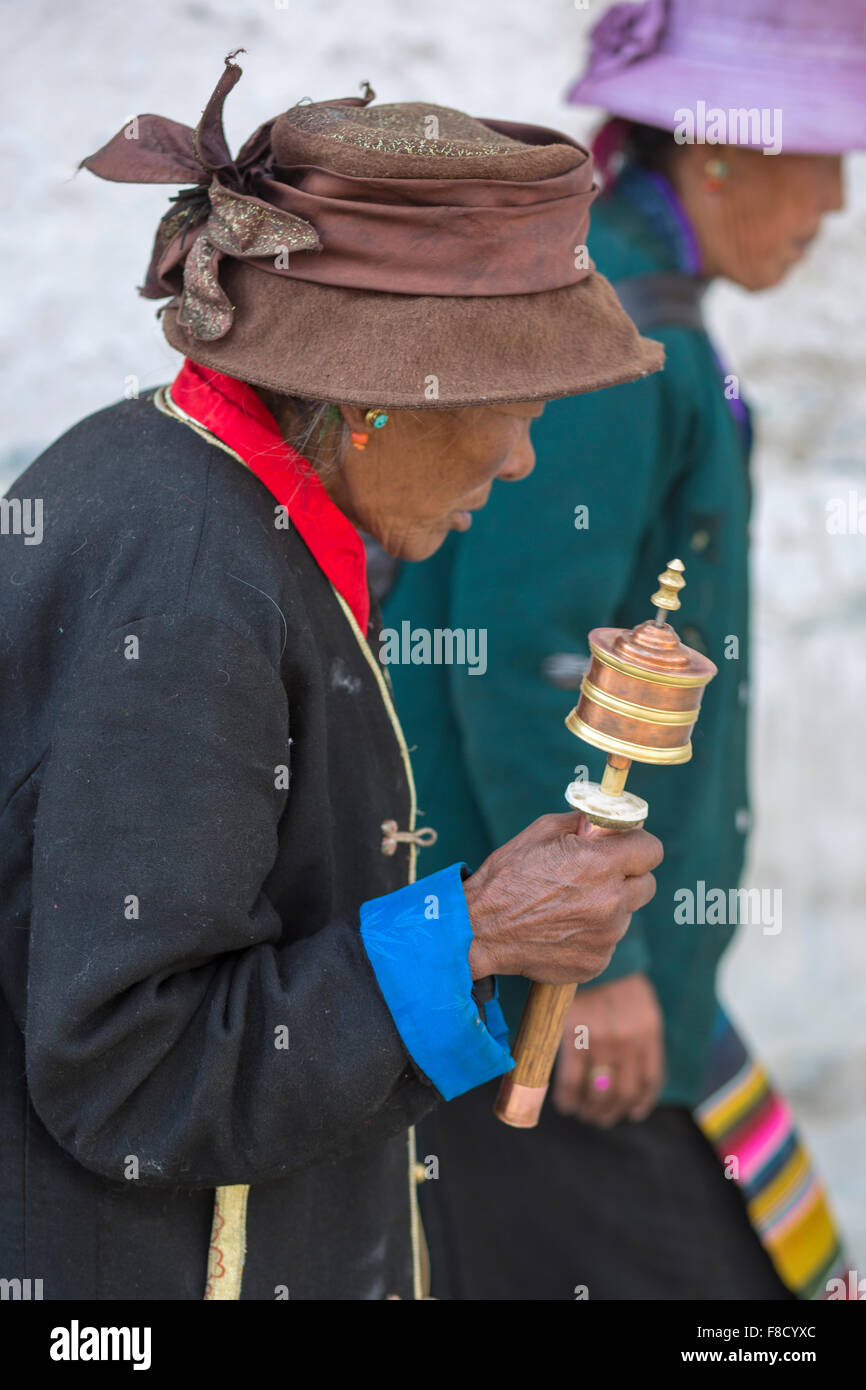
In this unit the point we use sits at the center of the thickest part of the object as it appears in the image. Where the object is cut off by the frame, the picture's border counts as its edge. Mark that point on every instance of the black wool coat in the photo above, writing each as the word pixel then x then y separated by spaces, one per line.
pixel 186 1002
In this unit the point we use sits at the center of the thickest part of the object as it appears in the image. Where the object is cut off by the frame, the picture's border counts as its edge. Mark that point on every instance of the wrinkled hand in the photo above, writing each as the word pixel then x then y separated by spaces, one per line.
pixel 625 1036
pixel 553 902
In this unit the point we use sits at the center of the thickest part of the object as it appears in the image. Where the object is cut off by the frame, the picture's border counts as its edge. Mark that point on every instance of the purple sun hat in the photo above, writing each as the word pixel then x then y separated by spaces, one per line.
pixel 681 64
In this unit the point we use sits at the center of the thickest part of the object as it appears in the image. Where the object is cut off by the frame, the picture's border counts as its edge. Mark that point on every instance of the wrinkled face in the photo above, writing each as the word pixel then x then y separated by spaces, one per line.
pixel 427 471
pixel 755 223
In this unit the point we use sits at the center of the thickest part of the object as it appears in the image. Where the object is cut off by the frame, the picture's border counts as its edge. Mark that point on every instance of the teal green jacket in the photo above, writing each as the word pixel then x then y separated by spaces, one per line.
pixel 661 465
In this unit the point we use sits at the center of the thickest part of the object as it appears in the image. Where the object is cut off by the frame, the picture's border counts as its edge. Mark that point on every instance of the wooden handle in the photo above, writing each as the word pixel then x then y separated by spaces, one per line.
pixel 522 1092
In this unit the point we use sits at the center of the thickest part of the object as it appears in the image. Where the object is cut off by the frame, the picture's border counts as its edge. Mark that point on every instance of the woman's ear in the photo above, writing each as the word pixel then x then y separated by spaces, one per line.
pixel 353 416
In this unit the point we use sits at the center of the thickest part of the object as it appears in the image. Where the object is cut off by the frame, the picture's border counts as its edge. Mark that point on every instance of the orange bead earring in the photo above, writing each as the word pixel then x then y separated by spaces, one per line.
pixel 377 419
pixel 715 171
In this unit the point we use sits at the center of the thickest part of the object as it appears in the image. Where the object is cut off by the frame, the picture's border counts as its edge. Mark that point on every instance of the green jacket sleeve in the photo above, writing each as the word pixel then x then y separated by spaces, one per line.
pixel 548 560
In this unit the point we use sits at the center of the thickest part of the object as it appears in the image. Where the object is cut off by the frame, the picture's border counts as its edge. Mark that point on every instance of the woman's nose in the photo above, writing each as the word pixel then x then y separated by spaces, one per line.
pixel 520 461
pixel 833 199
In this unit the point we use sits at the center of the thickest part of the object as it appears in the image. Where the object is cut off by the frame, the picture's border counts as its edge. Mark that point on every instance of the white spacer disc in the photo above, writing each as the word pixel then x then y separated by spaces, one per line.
pixel 621 812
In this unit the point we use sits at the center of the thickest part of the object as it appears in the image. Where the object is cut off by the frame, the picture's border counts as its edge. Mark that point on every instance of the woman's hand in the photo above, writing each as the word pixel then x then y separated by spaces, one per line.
pixel 618 1074
pixel 552 903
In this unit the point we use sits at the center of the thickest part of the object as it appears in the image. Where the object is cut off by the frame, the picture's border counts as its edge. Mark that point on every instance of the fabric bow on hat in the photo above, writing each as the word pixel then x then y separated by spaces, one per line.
pixel 220 216
pixel 624 34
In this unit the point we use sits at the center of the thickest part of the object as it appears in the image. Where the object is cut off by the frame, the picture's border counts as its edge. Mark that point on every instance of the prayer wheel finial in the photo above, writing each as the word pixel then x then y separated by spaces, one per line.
pixel 668 596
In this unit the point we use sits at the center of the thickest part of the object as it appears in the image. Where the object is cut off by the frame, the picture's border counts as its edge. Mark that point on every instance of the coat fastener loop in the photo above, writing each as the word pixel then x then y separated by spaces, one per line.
pixel 392 837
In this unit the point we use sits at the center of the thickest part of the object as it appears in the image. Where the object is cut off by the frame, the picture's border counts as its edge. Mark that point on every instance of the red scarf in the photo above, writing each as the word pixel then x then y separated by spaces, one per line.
pixel 233 411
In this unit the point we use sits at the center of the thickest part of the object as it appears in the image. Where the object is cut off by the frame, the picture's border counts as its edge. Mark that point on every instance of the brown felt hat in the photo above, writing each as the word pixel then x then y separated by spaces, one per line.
pixel 404 256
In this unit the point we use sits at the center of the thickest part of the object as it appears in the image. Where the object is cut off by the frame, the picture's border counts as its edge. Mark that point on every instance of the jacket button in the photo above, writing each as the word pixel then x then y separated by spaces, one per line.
pixel 693 637
pixel 420 1172
pixel 699 541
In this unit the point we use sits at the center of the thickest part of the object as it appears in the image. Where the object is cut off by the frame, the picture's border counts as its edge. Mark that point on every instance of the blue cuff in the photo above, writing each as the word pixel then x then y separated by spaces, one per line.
pixel 418 942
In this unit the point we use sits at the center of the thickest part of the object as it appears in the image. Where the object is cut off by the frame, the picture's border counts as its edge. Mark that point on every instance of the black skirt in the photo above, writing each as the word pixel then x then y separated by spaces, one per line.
pixel 568 1211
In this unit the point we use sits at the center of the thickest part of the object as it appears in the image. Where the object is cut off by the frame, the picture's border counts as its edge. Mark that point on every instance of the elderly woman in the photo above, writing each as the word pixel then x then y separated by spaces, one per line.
pixel 650 1122
pixel 225 999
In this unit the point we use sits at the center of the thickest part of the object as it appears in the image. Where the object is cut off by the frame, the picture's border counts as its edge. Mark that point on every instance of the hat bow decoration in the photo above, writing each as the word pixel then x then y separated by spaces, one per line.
pixel 220 209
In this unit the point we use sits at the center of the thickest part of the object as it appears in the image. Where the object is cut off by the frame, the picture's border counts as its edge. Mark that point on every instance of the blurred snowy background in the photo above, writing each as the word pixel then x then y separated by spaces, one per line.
pixel 73 330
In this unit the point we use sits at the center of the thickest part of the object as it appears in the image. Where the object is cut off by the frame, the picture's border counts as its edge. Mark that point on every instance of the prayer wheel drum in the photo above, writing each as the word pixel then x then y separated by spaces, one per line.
pixel 642 694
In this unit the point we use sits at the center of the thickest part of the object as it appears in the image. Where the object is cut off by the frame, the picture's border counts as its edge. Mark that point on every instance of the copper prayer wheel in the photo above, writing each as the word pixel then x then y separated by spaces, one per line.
pixel 638 702
pixel 642 694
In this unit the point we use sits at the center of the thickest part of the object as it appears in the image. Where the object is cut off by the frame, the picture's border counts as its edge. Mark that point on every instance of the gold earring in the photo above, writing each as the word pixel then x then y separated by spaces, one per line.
pixel 376 418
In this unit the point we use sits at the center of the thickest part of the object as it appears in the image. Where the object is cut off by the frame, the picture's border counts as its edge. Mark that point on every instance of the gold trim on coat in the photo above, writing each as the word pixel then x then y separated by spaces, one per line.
pixel 419 1283
pixel 228 1240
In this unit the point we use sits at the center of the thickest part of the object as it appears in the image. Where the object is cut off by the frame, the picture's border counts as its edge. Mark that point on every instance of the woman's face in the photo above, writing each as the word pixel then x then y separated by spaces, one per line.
pixel 757 221
pixel 426 471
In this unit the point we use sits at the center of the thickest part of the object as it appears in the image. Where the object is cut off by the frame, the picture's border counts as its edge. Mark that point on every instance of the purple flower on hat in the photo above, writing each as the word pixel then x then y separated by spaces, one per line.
pixel 624 34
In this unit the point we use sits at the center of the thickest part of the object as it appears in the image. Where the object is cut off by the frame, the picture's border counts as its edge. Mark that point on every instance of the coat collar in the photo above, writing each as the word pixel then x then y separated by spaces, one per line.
pixel 645 208
pixel 233 412
pixel 665 232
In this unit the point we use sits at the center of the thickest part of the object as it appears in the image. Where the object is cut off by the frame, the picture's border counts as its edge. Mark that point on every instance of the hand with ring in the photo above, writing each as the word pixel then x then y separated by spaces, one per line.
pixel 611 1059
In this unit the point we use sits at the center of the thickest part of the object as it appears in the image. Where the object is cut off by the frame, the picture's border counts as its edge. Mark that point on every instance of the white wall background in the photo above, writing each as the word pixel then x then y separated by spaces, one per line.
pixel 72 329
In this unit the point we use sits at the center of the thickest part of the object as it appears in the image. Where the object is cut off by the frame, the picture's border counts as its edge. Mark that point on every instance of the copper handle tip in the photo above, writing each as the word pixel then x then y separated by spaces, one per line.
pixel 519 1106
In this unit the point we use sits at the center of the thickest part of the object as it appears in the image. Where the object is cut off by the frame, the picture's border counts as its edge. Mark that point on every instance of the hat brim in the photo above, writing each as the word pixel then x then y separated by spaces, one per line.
pixel 818 116
pixel 357 347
